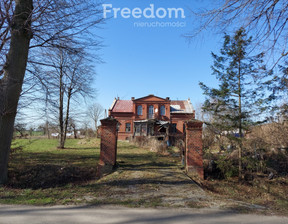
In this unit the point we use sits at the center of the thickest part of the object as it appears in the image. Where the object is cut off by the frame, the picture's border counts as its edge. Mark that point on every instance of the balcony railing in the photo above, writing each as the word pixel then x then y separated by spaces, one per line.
pixel 150 116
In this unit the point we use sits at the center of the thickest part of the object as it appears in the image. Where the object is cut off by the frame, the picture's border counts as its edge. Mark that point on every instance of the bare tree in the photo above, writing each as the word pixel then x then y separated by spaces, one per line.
pixel 11 82
pixel 95 112
pixel 72 126
pixel 68 75
pixel 50 23
pixel 85 127
pixel 45 127
pixel 266 20
pixel 20 128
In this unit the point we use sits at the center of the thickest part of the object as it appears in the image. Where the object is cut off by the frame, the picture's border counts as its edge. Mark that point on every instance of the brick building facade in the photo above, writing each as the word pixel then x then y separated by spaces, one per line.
pixel 151 116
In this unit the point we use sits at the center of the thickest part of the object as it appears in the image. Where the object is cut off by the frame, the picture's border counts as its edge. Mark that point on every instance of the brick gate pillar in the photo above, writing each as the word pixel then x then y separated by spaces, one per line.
pixel 108 146
pixel 194 149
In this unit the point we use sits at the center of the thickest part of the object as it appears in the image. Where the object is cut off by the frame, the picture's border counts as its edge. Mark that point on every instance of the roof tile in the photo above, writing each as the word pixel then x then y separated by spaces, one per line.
pixel 124 106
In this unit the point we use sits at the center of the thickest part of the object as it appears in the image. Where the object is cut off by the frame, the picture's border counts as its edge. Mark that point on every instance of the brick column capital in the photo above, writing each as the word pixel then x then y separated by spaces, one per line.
pixel 193 124
pixel 109 121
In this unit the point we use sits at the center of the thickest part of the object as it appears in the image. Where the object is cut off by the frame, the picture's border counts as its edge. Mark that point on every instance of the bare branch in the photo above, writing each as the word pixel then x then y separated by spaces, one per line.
pixel 266 20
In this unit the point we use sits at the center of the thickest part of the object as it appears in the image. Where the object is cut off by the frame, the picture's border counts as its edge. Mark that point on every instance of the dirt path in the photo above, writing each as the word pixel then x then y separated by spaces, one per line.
pixel 160 183
pixel 156 187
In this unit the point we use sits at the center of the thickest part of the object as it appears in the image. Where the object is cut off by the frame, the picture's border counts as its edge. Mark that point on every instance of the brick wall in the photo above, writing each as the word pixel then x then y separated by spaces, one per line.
pixel 194 149
pixel 108 146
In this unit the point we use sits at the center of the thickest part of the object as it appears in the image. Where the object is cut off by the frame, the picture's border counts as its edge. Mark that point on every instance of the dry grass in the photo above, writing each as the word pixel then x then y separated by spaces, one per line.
pixel 271 195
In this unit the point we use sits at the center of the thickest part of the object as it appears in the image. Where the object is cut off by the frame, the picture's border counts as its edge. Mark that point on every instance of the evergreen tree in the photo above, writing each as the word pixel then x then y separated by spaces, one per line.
pixel 238 101
pixel 278 86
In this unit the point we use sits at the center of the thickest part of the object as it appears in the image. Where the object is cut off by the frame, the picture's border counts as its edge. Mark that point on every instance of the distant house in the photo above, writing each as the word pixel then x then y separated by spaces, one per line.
pixel 151 116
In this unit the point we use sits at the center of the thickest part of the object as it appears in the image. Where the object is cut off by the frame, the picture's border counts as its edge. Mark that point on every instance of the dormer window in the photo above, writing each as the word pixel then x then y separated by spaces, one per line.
pixel 162 110
pixel 139 110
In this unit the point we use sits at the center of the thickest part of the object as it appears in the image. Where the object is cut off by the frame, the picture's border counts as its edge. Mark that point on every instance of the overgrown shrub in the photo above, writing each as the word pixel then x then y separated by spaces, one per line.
pixel 264 152
pixel 155 145
pixel 140 141
pixel 227 167
pixel 278 162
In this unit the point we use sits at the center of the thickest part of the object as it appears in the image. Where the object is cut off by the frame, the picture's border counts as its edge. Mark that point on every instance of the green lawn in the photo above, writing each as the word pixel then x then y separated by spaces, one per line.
pixel 41 174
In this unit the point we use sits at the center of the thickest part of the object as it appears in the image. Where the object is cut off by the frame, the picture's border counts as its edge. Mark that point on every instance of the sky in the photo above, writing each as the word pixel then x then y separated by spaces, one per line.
pixel 139 61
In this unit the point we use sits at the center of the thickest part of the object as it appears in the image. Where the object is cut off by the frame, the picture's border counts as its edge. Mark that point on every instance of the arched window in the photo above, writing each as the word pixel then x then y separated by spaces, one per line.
pixel 162 110
pixel 139 110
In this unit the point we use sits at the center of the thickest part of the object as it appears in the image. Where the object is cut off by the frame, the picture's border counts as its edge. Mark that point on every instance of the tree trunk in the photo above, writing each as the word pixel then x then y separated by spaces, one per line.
pixel 96 128
pixel 240 123
pixel 67 113
pixel 75 131
pixel 47 129
pixel 11 83
pixel 61 119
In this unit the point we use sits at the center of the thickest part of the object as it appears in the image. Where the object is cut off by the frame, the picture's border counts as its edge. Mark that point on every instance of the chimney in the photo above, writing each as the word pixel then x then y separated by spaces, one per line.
pixel 167 98
pixel 118 98
pixel 132 98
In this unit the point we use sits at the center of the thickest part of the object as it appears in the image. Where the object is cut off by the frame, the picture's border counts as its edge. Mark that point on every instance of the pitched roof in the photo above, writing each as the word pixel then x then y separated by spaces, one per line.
pixel 151 96
pixel 177 106
pixel 181 106
pixel 124 106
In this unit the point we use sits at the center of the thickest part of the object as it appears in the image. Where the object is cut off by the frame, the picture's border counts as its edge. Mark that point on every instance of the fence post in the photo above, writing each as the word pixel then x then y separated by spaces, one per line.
pixel 108 146
pixel 194 149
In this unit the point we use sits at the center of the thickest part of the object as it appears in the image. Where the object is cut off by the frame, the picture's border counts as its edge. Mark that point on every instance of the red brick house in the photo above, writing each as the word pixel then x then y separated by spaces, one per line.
pixel 151 116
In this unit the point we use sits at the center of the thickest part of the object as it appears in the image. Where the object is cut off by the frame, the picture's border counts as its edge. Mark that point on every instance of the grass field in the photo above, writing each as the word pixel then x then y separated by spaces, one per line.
pixel 41 174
